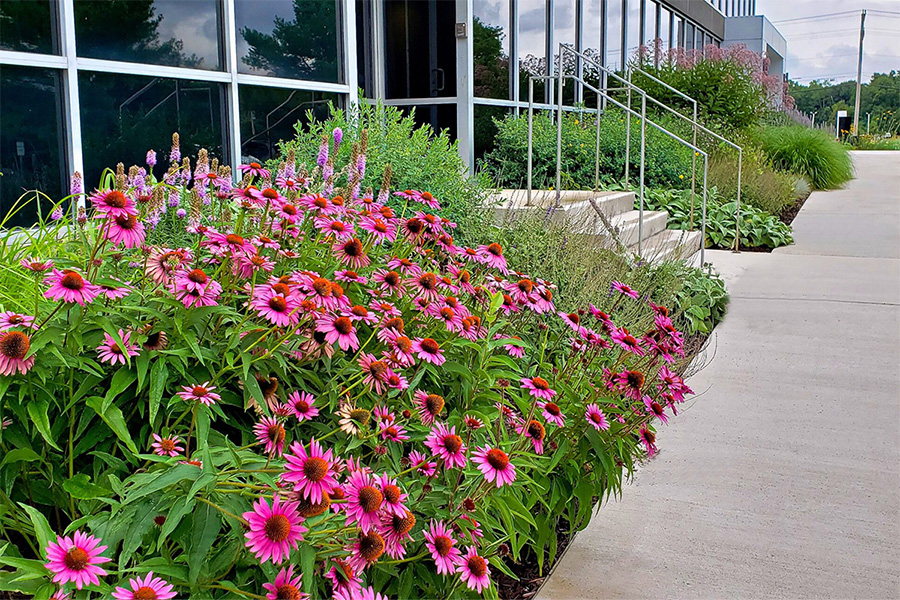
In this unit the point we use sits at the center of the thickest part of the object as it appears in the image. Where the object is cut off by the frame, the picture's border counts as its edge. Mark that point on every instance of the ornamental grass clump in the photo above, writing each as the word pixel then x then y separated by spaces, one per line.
pixel 297 387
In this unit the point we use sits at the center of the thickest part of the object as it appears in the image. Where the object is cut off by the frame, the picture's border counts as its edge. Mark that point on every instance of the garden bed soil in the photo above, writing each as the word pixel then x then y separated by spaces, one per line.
pixel 530 578
pixel 790 212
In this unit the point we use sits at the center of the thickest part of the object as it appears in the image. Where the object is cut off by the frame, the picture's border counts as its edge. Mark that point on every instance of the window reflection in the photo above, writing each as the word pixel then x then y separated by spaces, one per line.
pixel 490 40
pixel 32 140
pixel 126 115
pixel 614 34
pixel 634 29
pixel 270 115
pixel 29 26
pixel 160 32
pixel 295 39
pixel 665 18
pixel 532 46
pixel 485 128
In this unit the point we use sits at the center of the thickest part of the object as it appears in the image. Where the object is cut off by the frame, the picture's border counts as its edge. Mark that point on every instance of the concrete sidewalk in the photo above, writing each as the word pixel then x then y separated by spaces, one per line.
pixel 782 478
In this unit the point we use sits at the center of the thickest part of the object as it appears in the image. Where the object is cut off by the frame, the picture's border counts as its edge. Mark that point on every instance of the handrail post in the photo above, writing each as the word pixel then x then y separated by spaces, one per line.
pixel 559 117
pixel 693 165
pixel 737 220
pixel 703 217
pixel 530 135
pixel 628 133
pixel 643 148
pixel 597 150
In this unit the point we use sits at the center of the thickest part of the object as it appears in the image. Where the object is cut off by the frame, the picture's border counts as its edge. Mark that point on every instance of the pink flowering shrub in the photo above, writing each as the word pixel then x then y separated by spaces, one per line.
pixel 293 385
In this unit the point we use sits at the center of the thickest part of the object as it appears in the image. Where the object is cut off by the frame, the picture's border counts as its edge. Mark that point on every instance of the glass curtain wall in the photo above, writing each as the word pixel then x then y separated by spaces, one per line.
pixel 532 43
pixel 614 56
pixel 490 40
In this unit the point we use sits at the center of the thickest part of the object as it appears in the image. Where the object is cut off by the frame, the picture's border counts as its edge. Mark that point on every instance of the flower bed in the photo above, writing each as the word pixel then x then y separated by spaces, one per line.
pixel 296 386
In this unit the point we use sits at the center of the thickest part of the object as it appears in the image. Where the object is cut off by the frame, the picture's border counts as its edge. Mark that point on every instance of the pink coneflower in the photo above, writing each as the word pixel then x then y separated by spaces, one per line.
pixel 202 392
pixel 626 341
pixel 538 387
pixel 425 286
pixel 451 319
pixel 474 570
pixel 420 463
pixel 111 352
pixel 246 266
pixel 672 383
pixel 444 443
pixel 513 350
pixel 572 320
pixel 162 262
pixel 113 292
pixel 351 252
pixel 35 265
pixel 552 413
pixel 648 439
pixel 276 309
pixel 364 500
pixel 595 417
pixel 274 530
pixel 492 256
pixel 495 465
pixel 395 530
pixel 429 406
pixel 628 382
pixel 473 422
pixel 393 495
pixel 393 433
pixel 534 432
pixel 360 313
pixel 271 433
pixel 267 196
pixel 656 409
pixel 350 276
pixel 388 281
pixel 428 350
pixel 75 559
pixel 375 371
pixel 167 446
pixel 149 587
pixel 195 288
pixel 69 286
pixel 254 169
pixel 624 290
pixel 345 583
pixel 301 404
pixel 381 230
pixel 439 541
pixel 9 320
pixel 112 204
pixel 340 330
pixel 369 593
pixel 286 586
pixel 312 472
pixel 14 346
pixel 125 230
pixel 335 227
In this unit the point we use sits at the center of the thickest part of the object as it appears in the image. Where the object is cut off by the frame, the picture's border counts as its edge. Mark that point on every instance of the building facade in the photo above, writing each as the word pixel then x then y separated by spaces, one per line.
pixel 88 83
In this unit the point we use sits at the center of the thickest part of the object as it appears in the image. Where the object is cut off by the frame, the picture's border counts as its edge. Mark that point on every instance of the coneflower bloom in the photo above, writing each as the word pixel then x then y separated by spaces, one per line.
pixel 474 570
pixel 301 404
pixel 552 413
pixel 364 500
pixel 350 276
pixel 444 443
pixel 624 289
pixel 393 495
pixel 246 265
pixel 69 286
pixel 345 583
pixel 573 320
pixel 167 446
pixel 274 530
pixel 395 531
pixel 672 383
pixel 375 372
pixel 439 541
pixel 492 256
pixel 393 433
pixel 271 433
pixel 312 472
pixel 75 559
pixel 352 420
pixel 276 309
pixel 361 313
pixel 339 330
pixel 595 417
pixel 113 292
pixel 111 352
pixel 351 252
pixel 513 350
pixel 254 169
pixel 267 196
pixel 157 340
pixel 381 230
pixel 656 409
pixel 112 204
pixel 648 439
pixel 9 320
pixel 201 392
pixel 538 387
pixel 428 350
pixel 151 587
pixel 388 281
pixel 286 586
pixel 125 230
pixel 162 262
pixel 495 465
pixel 425 286
pixel 629 382
pixel 534 432
pixel 451 318
pixel 429 406
pixel 421 464
pixel 35 265
pixel 195 288
pixel 626 341
pixel 338 229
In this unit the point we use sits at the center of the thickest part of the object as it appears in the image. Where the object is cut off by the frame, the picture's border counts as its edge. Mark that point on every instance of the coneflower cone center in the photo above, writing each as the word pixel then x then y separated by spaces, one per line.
pixel 15 345
pixel 378 368
pixel 76 559
pixel 453 443
pixel 443 545
pixel 360 415
pixel 434 404
pixel 404 344
pixel 234 239
pixel 276 433
pixel 145 593
pixel 447 313
pixel 553 409
pixel 476 565
pixel 428 281
pixel 72 281
pixel 495 249
pixel 650 437
pixel 371 546
pixel 353 248
pixel 302 406
pixel 396 324
pixel 287 592
pixel 430 346
pixel 403 525
pixel 392 278
pixel 308 509
pixel 391 494
pixel 525 285
pixel 200 391
pixel 635 379
pixel 315 468
pixel 497 458
pixel 370 498
pixel 277 528
pixel 656 408
pixel 343 325
pixel 278 304
pixel 281 288
pixel 540 383
pixel 595 417
pixel 167 445
pixel 126 221
pixel 359 311
pixel 536 430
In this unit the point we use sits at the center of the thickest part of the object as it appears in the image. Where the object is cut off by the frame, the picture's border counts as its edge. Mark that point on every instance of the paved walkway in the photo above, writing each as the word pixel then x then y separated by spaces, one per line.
pixel 782 480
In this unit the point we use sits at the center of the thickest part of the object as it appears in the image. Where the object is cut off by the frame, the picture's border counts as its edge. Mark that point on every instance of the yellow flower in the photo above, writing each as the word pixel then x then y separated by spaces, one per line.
pixel 681 177
pixel 576 121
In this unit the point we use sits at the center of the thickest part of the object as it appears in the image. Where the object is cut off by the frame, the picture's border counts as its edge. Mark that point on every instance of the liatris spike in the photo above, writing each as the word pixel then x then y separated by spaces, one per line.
pixel 323 152
pixel 175 154
pixel 77 184
pixel 151 158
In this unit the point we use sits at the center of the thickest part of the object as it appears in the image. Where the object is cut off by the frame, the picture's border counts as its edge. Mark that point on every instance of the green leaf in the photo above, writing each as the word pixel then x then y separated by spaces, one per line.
pixel 20 455
pixel 164 478
pixel 180 508
pixel 42 529
pixel 37 410
pixel 80 487
pixel 307 565
pixel 120 382
pixel 114 420
pixel 202 426
pixel 159 374
pixel 204 531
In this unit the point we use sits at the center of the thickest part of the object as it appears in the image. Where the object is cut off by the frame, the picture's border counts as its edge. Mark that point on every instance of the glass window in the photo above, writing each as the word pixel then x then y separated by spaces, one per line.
pixel 126 115
pixel 32 140
pixel 688 36
pixel 650 25
pixel 490 40
pixel 160 32
pixel 485 128
pixel 678 32
pixel 590 41
pixel 633 39
pixel 29 26
pixel 365 44
pixel 532 46
pixel 564 17
pixel 614 34
pixel 664 34
pixel 440 117
pixel 420 49
pixel 270 115
pixel 296 39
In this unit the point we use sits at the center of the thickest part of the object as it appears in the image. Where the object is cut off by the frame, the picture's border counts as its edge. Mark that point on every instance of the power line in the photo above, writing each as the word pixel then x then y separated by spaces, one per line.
pixel 817 17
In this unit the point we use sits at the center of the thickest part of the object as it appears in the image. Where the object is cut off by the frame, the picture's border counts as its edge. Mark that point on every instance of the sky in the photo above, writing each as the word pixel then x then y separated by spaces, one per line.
pixel 827 48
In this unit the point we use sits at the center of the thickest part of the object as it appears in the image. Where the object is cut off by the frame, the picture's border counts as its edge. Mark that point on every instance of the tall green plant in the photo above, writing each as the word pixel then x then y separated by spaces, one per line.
pixel 808 152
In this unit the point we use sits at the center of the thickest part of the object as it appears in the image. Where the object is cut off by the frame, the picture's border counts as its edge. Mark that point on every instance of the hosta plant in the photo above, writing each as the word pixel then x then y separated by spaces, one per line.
pixel 295 386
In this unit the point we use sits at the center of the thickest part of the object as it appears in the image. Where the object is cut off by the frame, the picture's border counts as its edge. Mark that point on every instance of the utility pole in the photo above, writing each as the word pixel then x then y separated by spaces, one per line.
pixel 814 119
pixel 868 118
pixel 862 34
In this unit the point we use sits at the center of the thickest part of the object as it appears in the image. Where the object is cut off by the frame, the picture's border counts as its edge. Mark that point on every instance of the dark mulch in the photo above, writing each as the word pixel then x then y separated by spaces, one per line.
pixel 527 571
pixel 790 212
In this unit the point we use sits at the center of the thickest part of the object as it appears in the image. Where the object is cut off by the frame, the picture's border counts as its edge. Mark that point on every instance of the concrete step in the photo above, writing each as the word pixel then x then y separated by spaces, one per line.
pixel 574 205
pixel 670 245
pixel 628 225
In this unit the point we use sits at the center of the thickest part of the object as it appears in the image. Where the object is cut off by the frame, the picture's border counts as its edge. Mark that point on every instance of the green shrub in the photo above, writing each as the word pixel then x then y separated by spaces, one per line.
pixel 668 163
pixel 808 152
pixel 700 301
pixel 761 186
